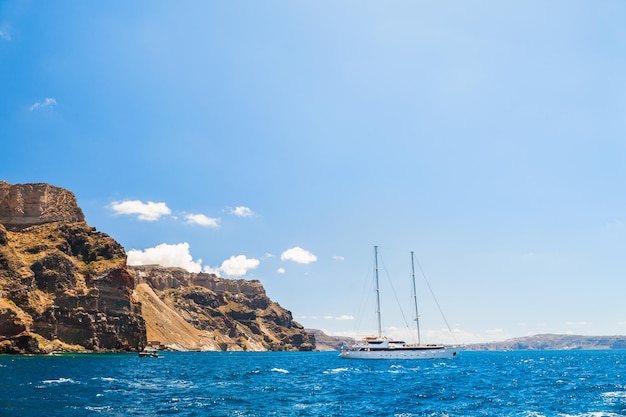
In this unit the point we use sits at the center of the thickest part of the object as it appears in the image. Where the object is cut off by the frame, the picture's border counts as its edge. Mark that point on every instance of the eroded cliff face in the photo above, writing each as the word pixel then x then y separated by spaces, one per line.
pixel 66 287
pixel 228 314
pixel 63 285
pixel 23 205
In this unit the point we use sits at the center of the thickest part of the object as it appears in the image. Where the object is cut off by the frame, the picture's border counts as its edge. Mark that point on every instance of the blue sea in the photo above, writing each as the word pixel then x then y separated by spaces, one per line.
pixel 522 383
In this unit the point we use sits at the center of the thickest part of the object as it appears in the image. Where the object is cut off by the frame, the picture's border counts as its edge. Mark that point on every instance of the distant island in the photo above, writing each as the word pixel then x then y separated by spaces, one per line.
pixel 325 342
pixel 554 342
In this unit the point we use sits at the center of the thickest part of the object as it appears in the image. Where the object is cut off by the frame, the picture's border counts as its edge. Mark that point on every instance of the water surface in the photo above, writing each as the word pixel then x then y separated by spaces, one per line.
pixel 573 383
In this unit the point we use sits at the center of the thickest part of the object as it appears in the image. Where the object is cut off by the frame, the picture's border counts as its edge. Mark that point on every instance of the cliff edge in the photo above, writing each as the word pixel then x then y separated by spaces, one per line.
pixel 219 313
pixel 66 287
pixel 24 205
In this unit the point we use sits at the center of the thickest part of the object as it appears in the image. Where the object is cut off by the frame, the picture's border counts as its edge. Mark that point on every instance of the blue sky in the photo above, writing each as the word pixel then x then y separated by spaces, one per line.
pixel 282 140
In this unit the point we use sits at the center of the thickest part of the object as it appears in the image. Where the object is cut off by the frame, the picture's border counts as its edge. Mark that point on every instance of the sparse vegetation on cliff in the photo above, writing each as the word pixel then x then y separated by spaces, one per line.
pixel 222 314
pixel 65 286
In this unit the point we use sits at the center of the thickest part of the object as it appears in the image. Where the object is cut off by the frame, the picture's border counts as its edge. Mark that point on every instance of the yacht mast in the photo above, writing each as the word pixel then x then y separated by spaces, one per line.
pixel 417 316
pixel 380 331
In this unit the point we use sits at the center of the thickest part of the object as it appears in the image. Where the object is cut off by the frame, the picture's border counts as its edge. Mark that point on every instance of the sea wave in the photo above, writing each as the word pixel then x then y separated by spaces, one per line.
pixel 59 381
pixel 337 370
pixel 186 384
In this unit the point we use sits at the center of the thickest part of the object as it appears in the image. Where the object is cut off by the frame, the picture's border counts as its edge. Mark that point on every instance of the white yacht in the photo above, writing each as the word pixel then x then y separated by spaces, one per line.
pixel 381 347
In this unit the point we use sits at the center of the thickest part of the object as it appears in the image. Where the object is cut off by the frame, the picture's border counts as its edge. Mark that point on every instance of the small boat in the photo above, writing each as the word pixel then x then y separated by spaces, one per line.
pixel 381 347
pixel 148 354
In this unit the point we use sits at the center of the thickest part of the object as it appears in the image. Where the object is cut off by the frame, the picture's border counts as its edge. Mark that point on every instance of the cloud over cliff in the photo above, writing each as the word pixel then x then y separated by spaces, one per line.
pixel 166 255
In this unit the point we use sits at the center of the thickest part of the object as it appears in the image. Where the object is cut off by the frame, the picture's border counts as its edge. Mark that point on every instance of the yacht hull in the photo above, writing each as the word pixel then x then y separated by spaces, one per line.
pixel 446 352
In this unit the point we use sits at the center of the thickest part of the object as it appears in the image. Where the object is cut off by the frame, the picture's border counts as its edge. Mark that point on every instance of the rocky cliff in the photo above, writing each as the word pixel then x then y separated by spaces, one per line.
pixel 223 314
pixel 65 286
pixel 325 342
pixel 23 205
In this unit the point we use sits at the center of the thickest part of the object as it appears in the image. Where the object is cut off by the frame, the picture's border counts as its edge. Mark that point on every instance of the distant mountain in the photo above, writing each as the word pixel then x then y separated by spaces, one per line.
pixel 326 342
pixel 554 342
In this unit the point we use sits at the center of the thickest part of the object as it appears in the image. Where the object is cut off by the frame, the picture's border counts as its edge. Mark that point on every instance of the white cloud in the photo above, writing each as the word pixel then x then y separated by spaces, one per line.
pixel 149 211
pixel 177 255
pixel 236 266
pixel 338 258
pixel 242 211
pixel 342 317
pixel 166 255
pixel 305 317
pixel 5 35
pixel 298 255
pixel 577 323
pixel 209 270
pixel 281 270
pixel 202 220
pixel 48 102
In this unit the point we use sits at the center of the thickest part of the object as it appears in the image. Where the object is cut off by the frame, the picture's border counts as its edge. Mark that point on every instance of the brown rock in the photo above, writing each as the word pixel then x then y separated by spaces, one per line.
pixel 23 205
pixel 65 286
pixel 235 314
